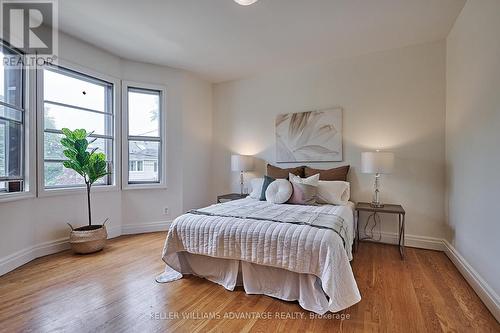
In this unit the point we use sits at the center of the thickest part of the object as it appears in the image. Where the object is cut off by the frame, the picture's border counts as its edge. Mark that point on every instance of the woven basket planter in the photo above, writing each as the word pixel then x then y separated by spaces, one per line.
pixel 88 239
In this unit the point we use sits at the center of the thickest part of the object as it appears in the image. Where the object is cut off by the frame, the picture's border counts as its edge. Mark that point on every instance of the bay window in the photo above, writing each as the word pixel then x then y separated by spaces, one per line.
pixel 69 98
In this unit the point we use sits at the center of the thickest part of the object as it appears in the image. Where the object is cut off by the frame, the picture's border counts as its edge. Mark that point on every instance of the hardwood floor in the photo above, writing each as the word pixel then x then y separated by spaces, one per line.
pixel 115 291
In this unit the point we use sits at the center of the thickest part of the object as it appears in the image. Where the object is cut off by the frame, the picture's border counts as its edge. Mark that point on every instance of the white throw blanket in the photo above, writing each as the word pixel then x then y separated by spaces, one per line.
pixel 299 248
pixel 322 217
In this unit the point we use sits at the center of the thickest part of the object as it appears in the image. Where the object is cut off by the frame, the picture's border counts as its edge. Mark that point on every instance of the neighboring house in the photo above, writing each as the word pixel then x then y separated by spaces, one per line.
pixel 143 164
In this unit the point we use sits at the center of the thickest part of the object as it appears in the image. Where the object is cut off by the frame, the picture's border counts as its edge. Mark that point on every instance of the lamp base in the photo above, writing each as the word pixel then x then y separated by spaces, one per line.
pixel 376 194
pixel 377 205
pixel 242 181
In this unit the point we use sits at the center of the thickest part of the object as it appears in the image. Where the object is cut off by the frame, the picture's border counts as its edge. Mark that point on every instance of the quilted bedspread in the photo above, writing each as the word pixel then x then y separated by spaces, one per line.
pixel 226 231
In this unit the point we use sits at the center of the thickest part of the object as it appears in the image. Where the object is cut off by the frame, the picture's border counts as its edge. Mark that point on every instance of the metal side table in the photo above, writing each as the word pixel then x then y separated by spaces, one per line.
pixel 386 209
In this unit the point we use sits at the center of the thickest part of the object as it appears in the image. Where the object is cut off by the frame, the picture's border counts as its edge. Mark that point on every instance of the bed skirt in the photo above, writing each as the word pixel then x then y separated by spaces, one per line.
pixel 255 279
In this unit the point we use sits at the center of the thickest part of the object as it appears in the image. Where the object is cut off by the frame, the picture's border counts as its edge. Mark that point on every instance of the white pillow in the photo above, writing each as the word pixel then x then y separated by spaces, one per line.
pixel 333 192
pixel 279 191
pixel 256 185
pixel 313 180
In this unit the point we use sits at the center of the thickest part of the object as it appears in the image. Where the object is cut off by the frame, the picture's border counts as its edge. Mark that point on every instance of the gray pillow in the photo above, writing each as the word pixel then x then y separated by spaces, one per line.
pixel 303 194
pixel 267 180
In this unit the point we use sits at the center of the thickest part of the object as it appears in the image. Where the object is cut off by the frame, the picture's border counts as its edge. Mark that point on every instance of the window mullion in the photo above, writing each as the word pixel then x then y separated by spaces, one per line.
pixel 98 136
pixel 12 120
pixel 71 106
pixel 12 106
pixel 144 138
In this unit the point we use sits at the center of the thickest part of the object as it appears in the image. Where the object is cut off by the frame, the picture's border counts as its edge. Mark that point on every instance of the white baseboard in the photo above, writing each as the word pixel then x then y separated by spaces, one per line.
pixel 489 297
pixel 421 242
pixel 114 231
pixel 140 228
pixel 24 256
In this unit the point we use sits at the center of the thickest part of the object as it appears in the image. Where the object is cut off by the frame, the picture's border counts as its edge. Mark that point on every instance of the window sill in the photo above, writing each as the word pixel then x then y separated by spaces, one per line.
pixel 76 190
pixel 157 186
pixel 8 197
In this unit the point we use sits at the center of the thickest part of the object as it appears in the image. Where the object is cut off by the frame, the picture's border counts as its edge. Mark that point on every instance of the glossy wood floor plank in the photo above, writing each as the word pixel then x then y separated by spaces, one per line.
pixel 115 291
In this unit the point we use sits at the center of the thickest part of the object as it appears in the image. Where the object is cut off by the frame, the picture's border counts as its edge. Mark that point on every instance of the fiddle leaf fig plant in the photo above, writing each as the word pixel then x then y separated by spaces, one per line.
pixel 88 163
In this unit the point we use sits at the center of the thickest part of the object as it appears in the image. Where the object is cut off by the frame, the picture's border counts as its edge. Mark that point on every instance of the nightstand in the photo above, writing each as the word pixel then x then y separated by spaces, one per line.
pixel 230 197
pixel 386 209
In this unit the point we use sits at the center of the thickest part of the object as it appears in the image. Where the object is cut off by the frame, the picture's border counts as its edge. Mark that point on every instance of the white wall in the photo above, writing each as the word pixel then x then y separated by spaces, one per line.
pixel 392 100
pixel 197 143
pixel 26 226
pixel 473 137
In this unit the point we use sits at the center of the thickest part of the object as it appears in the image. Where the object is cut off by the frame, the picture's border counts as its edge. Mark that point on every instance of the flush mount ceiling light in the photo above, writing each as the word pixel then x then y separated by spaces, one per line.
pixel 245 2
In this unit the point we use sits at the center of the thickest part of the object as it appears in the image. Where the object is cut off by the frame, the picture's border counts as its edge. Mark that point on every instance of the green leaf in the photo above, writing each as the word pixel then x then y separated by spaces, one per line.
pixel 99 157
pixel 80 134
pixel 68 133
pixel 81 144
pixel 68 143
pixel 74 166
pixel 70 153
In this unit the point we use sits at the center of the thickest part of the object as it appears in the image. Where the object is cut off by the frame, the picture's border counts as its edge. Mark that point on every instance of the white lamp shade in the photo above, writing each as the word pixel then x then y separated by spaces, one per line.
pixel 245 2
pixel 377 162
pixel 241 163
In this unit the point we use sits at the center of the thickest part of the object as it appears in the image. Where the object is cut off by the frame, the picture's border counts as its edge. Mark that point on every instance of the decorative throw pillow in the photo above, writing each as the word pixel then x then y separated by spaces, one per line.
pixel 303 194
pixel 278 173
pixel 305 190
pixel 267 180
pixel 279 191
pixel 313 180
pixel 339 173
pixel 256 185
pixel 334 192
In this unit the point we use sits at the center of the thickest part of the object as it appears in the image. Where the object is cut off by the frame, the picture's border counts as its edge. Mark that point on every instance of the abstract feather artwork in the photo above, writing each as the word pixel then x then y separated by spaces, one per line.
pixel 313 136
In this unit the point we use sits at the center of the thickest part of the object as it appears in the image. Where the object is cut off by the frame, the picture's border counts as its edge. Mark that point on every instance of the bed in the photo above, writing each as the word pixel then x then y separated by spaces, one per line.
pixel 291 252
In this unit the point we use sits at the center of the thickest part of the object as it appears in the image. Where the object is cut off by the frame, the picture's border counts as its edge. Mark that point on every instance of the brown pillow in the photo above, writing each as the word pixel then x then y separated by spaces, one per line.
pixel 339 173
pixel 279 173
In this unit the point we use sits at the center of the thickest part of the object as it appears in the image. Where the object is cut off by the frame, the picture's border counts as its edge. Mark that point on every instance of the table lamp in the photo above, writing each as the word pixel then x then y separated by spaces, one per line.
pixel 241 163
pixel 377 163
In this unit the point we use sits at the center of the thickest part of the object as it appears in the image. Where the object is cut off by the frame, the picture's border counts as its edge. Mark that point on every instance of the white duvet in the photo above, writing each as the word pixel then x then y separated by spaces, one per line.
pixel 299 248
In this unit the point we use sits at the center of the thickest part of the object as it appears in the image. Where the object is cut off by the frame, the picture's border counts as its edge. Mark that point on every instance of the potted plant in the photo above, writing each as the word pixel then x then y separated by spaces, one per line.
pixel 92 166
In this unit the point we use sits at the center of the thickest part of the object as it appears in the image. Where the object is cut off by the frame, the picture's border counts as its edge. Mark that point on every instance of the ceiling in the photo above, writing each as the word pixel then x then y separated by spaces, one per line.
pixel 221 40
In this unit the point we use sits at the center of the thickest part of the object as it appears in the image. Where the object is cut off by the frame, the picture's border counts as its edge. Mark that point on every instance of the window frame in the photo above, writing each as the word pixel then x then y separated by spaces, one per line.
pixel 115 104
pixel 162 159
pixel 28 144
